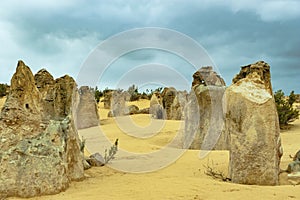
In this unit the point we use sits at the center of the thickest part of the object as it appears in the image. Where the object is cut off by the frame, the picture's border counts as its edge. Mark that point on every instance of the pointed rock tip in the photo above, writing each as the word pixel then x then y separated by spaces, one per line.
pixel 262 63
pixel 43 70
pixel 23 68
pixel 66 78
pixel 21 63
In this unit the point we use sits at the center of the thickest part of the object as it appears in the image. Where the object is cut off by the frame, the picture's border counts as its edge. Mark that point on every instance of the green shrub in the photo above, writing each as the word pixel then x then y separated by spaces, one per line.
pixel 286 112
pixel 151 92
pixel 134 93
pixel 98 94
pixel 144 96
pixel 3 89
pixel 111 153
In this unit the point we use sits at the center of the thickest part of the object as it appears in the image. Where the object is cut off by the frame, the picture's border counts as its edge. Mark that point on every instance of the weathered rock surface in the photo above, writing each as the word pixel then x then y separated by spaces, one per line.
pixel 132 110
pixel 293 171
pixel 177 107
pixel 168 97
pixel 291 176
pixel 157 112
pixel 210 134
pixel 43 80
pixel 128 110
pixel 156 109
pixel 262 69
pixel 294 167
pixel 207 76
pixel 39 152
pixel 118 104
pixel 253 127
pixel 107 99
pixel 96 160
pixel 154 100
pixel 56 95
pixel 144 111
pixel 297 96
pixel 87 110
pixel 192 121
pixel 204 113
pixel 23 103
pixel 297 156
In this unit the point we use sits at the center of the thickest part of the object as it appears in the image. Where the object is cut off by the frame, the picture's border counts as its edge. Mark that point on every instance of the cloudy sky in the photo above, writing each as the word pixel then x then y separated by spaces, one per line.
pixel 60 36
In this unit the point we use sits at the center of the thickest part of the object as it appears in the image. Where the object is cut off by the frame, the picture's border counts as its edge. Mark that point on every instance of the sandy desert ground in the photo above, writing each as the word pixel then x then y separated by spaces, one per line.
pixel 182 179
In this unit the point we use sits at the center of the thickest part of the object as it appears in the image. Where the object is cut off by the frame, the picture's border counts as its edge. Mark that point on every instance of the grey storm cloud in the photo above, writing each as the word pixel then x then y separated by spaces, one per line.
pixel 59 35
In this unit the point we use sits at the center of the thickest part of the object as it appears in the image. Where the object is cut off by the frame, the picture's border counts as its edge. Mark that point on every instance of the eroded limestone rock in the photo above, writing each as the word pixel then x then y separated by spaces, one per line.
pixel 156 109
pixel 168 97
pixel 39 152
pixel 177 107
pixel 207 76
pixel 87 111
pixel 204 113
pixel 253 127
pixel 107 99
pixel 118 104
pixel 210 134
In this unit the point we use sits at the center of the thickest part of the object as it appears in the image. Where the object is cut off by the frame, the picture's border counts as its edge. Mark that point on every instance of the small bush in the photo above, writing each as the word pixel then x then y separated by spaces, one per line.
pixel 210 171
pixel 111 153
pixel 285 110
pixel 144 96
pixel 149 93
pixel 3 89
pixel 98 94
pixel 134 93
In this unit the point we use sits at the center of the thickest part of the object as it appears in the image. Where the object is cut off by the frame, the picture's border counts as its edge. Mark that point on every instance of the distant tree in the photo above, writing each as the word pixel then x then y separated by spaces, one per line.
pixel 3 89
pixel 118 90
pixel 286 112
pixel 144 96
pixel 106 90
pixel 98 94
pixel 151 91
pixel 134 93
pixel 159 89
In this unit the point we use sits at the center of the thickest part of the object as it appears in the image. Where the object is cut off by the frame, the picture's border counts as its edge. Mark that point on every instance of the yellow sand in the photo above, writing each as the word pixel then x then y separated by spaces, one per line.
pixel 183 179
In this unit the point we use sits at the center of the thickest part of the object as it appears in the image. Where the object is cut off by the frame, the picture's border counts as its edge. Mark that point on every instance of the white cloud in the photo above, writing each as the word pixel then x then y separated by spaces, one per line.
pixel 269 10
pixel 71 52
pixel 58 35
pixel 280 10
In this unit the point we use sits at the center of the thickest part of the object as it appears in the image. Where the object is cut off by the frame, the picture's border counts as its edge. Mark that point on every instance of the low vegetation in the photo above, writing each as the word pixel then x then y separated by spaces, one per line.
pixel 110 155
pixel 3 90
pixel 98 94
pixel 286 112
pixel 133 92
pixel 210 171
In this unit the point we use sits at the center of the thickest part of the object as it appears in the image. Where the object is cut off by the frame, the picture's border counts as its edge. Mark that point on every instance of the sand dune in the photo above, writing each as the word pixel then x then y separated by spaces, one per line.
pixel 182 179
